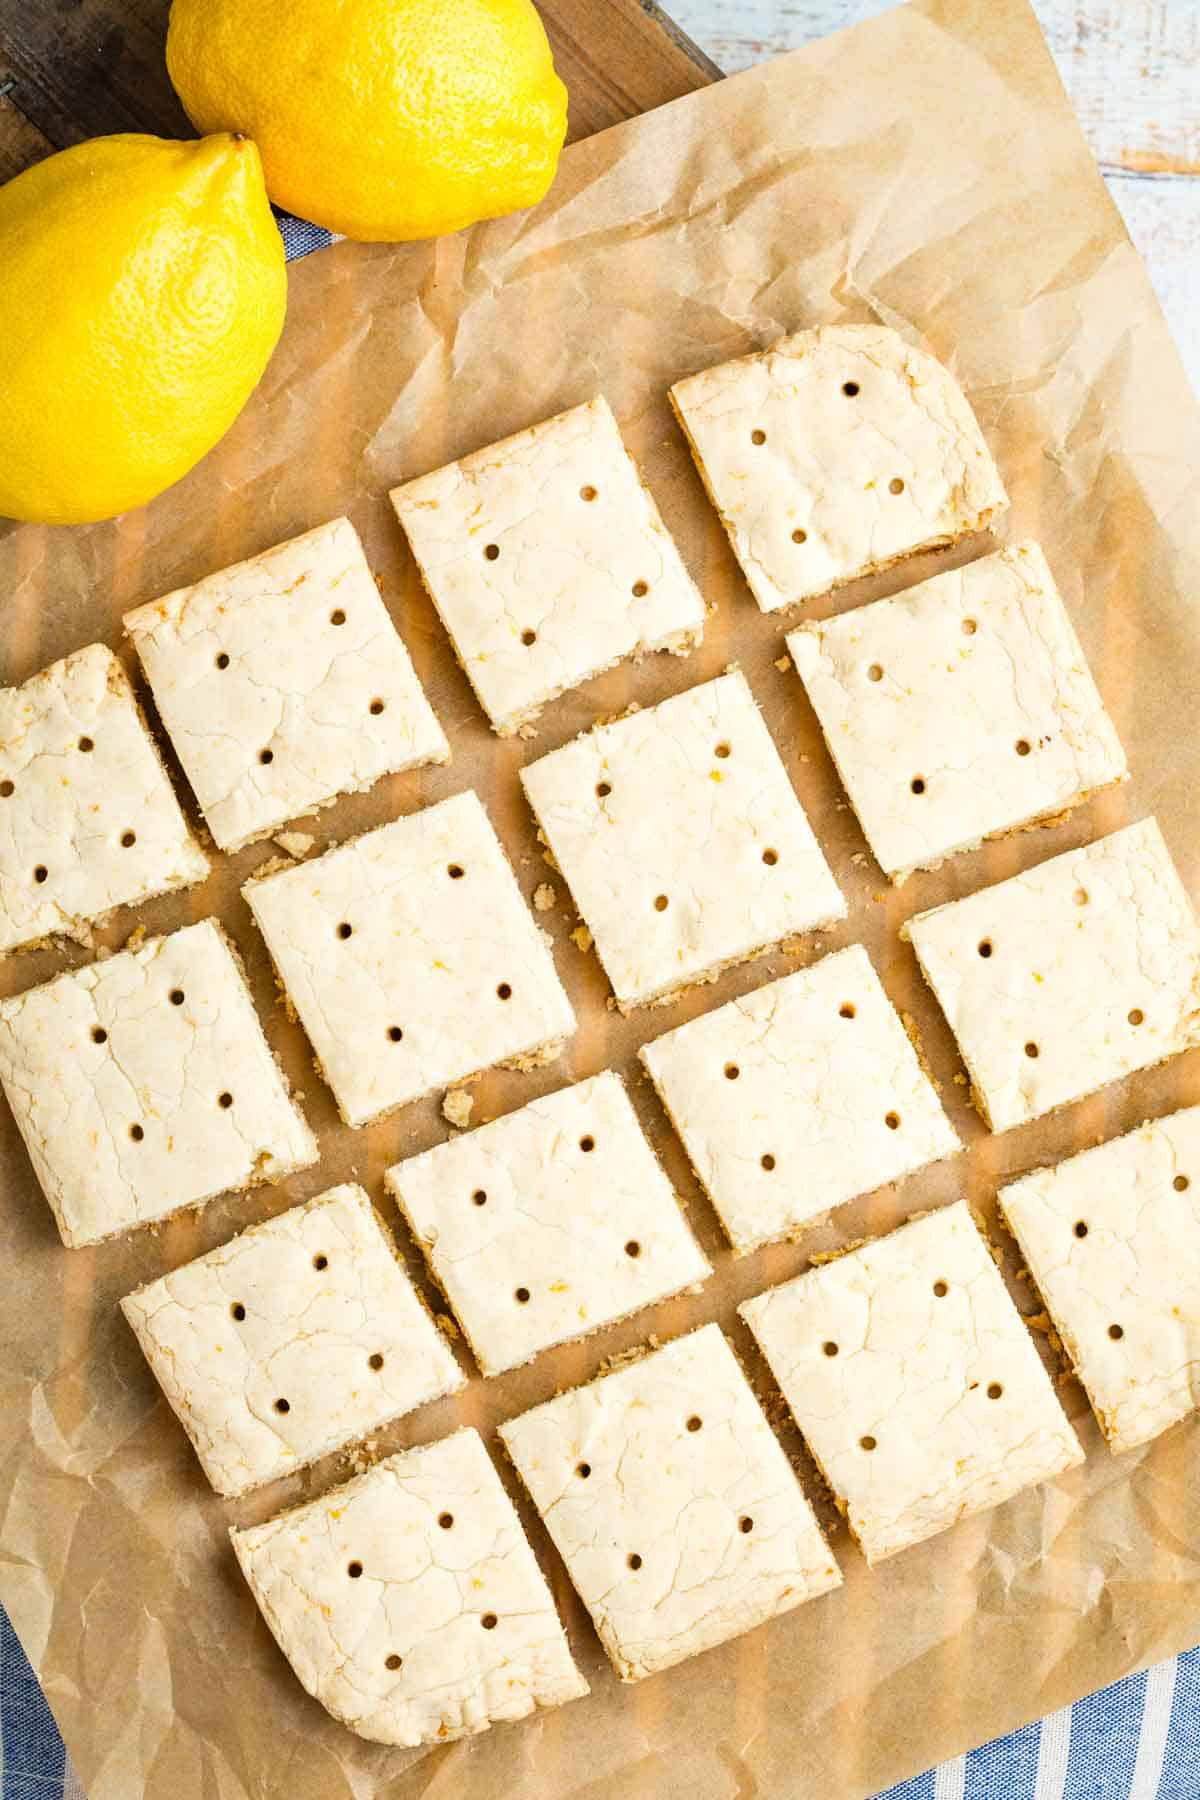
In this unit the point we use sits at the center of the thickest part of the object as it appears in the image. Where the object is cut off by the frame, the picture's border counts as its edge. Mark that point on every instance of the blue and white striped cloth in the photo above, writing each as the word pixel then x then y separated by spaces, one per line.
pixel 1137 1740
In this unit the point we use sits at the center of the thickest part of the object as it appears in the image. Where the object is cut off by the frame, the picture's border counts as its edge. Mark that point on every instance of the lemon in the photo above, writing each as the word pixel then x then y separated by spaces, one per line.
pixel 380 119
pixel 142 291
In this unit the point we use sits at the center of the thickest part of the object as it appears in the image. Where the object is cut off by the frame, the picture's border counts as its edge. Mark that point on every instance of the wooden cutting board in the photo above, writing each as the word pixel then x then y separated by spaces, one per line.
pixel 96 66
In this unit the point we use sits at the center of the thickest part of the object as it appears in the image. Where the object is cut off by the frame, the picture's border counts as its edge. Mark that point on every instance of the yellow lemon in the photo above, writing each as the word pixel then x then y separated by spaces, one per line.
pixel 380 119
pixel 142 290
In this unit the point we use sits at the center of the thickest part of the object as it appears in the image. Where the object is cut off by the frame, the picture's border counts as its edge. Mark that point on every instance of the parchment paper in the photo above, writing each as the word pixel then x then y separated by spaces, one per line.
pixel 925 170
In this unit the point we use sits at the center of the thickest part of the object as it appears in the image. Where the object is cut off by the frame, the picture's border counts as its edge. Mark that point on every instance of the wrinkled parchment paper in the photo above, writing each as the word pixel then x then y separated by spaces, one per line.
pixel 924 170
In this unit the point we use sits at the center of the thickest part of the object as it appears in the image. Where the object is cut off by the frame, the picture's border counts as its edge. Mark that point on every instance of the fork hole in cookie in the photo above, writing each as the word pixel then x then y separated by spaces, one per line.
pixel 917 784
pixel 867 1443
pixel 587 1144
pixel 396 1034
pixel 99 1035
pixel 375 1361
pixel 583 1470
pixel 985 947
pixel 394 1662
pixel 337 617
pixel 1116 1332
pixel 491 551
pixel 767 1162
pixel 758 437
pixel 875 672
pixel 528 638
pixel 86 744
pixel 633 1248
pixel 603 790
pixel 695 1422
pixel 732 1071
pixel 137 1133
pixel 479 1197
pixel 222 660
pixel 970 627
pixel 745 1524
pixel 344 931
pixel 446 1521
pixel 995 1389
pixel 320 1261
pixel 128 840
pixel 640 589
pixel 892 1121
pixel 895 485
pixel 225 1100
pixel 266 756
pixel 238 1311
pixel 522 1296
pixel 176 996
pixel 504 991
pixel 634 1560
pixel 489 1621
pixel 1081 1228
pixel 1022 746
pixel 354 1570
pixel 799 536
pixel 829 1348
pixel 1081 896
pixel 847 1010
pixel 7 790
pixel 850 389
pixel 723 750
pixel 1181 1184
pixel 1032 1052
pixel 41 872
pixel 770 857
pixel 1137 1016
pixel 588 493
pixel 376 707
pixel 940 1290
pixel 455 871
pixel 661 903
pixel 283 1406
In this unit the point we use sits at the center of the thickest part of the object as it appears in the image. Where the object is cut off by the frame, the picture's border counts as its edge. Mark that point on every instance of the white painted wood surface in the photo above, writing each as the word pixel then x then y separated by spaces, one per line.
pixel 1132 68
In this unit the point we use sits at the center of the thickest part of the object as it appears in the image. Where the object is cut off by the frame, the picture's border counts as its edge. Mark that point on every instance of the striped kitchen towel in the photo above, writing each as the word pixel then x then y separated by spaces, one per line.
pixel 1138 1740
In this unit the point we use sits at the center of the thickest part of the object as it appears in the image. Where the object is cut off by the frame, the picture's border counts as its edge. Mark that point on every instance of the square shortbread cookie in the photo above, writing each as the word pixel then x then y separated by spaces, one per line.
pixel 143 1084
pixel 914 1380
pixel 548 562
pixel 958 710
pixel 301 1334
pixel 682 840
pixel 797 1097
pixel 1112 1239
pixel 1070 976
pixel 542 1226
pixel 672 1504
pixel 283 683
pixel 834 453
pixel 411 958
pixel 409 1603
pixel 88 818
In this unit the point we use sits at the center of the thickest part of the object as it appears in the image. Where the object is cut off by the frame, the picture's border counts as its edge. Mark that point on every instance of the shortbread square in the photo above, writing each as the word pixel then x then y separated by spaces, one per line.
pixel 548 562
pixel 283 683
pixel 1112 1239
pixel 143 1083
pixel 543 1226
pixel 672 1504
pixel 959 710
pixel 836 453
pixel 409 1603
pixel 411 958
pixel 682 840
pixel 914 1380
pixel 88 818
pixel 798 1097
pixel 1070 976
pixel 284 1344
